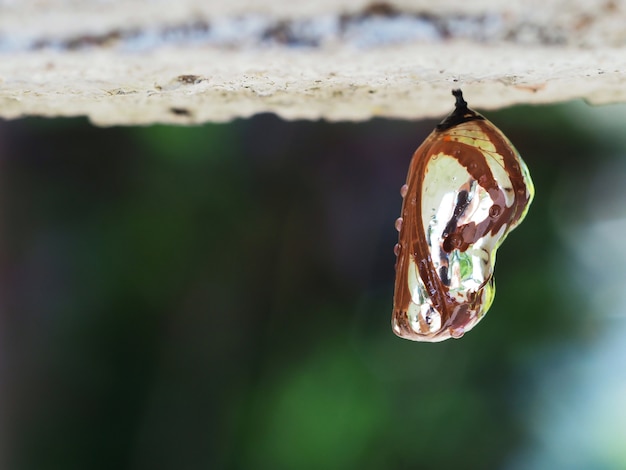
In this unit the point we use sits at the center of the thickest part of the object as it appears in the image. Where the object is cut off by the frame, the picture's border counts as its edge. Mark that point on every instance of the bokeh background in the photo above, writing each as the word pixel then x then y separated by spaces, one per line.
pixel 220 297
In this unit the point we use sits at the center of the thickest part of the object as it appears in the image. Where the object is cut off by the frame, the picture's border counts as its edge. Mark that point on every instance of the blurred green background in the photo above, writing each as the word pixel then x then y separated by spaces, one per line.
pixel 220 297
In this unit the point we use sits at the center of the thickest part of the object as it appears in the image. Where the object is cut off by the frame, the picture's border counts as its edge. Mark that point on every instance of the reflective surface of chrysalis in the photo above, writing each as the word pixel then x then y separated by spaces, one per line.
pixel 467 188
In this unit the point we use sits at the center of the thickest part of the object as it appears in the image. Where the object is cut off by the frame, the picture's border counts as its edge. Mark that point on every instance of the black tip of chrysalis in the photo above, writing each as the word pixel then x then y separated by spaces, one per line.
pixel 460 114
pixel 460 102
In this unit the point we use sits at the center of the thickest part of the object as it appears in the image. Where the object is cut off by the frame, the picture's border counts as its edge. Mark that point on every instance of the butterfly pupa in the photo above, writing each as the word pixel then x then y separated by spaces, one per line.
pixel 466 189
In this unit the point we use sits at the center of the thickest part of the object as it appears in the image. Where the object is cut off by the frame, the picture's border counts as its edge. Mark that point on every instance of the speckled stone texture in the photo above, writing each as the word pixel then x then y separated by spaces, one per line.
pixel 139 62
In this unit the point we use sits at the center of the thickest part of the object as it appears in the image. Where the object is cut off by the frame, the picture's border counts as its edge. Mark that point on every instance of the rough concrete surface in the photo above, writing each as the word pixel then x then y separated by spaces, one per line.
pixel 139 62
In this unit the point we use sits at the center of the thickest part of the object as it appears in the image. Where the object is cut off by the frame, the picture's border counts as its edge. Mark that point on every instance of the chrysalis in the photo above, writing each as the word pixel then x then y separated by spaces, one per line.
pixel 467 188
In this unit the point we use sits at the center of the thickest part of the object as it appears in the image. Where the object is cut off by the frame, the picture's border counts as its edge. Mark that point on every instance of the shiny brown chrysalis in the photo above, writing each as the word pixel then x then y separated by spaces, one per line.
pixel 467 188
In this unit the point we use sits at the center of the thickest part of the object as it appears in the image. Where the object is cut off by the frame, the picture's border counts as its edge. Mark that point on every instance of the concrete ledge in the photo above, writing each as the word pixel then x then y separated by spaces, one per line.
pixel 199 62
